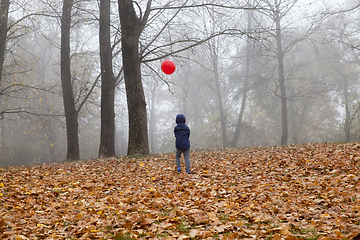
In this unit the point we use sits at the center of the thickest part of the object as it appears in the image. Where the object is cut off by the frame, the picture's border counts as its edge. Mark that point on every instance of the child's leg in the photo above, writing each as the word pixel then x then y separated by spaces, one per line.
pixel 177 157
pixel 187 159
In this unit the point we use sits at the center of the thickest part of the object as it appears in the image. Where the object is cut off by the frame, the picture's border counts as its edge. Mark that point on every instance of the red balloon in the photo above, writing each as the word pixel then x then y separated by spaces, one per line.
pixel 168 66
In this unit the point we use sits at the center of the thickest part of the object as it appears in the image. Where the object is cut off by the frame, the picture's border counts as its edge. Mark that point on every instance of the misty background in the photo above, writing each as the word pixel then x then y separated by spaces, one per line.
pixel 249 57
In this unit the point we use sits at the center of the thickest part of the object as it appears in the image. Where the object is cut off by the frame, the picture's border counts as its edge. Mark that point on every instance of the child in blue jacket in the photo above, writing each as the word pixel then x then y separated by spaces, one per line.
pixel 182 134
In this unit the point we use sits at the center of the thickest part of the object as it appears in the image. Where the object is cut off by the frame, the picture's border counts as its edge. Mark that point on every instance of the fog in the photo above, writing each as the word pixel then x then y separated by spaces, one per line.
pixel 237 81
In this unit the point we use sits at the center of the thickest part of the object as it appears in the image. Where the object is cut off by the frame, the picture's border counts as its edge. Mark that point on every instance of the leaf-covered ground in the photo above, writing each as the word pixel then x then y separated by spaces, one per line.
pixel 292 192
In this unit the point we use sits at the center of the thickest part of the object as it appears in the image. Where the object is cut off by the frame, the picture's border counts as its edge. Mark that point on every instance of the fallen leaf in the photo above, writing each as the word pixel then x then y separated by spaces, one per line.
pixel 21 237
pixel 213 217
pixel 193 233
pixel 308 189
pixel 205 234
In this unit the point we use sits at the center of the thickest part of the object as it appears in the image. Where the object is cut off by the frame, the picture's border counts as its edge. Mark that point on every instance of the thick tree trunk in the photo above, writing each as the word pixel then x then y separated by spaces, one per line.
pixel 4 12
pixel 107 135
pixel 131 27
pixel 73 152
pixel 283 97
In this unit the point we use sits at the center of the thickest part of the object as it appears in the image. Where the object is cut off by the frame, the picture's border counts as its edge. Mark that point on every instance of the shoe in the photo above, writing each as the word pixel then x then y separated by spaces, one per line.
pixel 179 169
pixel 188 171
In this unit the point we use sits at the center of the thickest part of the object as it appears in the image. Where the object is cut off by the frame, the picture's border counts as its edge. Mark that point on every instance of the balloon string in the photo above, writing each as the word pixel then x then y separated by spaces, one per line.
pixel 175 93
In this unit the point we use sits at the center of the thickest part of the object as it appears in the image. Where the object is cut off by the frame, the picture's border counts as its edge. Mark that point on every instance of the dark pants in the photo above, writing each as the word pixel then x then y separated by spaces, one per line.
pixel 186 157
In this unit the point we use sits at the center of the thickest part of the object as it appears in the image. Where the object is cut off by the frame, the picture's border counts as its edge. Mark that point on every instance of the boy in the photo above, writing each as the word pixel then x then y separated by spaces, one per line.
pixel 182 134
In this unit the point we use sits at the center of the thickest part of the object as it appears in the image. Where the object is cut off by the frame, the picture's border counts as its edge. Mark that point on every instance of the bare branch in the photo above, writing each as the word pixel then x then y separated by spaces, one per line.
pixel 161 30
pixel 144 18
pixel 197 42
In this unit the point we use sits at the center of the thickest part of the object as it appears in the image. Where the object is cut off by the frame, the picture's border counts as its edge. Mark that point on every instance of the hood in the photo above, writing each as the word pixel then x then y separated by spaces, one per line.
pixel 180 118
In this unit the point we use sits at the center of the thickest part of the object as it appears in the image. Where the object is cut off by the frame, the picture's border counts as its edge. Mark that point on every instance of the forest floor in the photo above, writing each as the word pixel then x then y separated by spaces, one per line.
pixel 293 192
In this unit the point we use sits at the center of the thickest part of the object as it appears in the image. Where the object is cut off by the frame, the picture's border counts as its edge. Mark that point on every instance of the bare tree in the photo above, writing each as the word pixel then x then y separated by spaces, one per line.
pixel 280 57
pixel 4 11
pixel 131 28
pixel 246 80
pixel 277 10
pixel 215 62
pixel 107 137
pixel 71 115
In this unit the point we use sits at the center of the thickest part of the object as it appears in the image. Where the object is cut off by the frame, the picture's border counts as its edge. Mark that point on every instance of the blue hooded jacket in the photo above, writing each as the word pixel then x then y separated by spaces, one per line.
pixel 182 133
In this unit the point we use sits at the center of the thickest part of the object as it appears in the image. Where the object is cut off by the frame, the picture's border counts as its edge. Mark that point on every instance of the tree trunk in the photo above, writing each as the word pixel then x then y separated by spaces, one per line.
pixel 220 101
pixel 4 11
pixel 107 135
pixel 246 81
pixel 242 109
pixel 73 152
pixel 131 27
pixel 284 110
